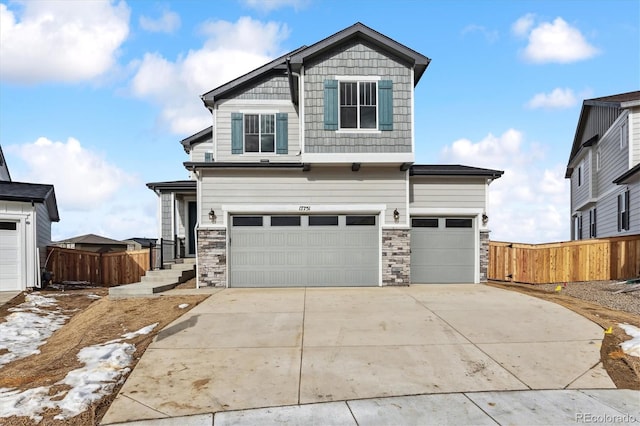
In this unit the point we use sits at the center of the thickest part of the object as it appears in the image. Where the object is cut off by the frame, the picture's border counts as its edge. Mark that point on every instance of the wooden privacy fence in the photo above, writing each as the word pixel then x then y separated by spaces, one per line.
pixel 106 269
pixel 614 258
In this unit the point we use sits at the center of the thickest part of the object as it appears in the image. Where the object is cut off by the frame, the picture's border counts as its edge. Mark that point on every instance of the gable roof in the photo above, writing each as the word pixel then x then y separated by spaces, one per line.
pixel 453 170
pixel 612 101
pixel 31 192
pixel 93 239
pixel 4 168
pixel 175 185
pixel 203 135
pixel 359 30
pixel 297 57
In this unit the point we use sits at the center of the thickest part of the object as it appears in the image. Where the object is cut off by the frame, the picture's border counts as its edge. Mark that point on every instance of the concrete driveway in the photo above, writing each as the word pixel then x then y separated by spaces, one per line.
pixel 250 348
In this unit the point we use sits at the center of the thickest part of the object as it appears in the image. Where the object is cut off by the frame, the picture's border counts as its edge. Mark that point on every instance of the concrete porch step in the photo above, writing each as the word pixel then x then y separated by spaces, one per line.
pixel 154 282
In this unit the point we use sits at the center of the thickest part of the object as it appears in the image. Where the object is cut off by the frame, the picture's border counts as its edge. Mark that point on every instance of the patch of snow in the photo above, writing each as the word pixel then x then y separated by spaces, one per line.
pixel 631 347
pixel 94 296
pixel 28 327
pixel 183 305
pixel 104 367
pixel 144 330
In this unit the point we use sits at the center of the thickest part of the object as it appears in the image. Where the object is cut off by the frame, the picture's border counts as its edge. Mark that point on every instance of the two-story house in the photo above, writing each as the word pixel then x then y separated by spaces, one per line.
pixel 604 168
pixel 307 177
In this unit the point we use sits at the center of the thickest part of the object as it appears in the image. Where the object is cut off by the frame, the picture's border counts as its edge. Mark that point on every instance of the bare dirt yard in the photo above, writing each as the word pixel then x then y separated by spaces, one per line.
pixel 597 302
pixel 92 321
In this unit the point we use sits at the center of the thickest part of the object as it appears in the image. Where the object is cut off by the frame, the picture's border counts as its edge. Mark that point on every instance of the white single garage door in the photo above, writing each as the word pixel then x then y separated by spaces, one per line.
pixel 304 251
pixel 442 250
pixel 9 256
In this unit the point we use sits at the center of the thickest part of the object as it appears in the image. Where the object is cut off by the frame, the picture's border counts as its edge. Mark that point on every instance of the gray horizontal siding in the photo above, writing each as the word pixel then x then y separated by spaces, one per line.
pixel 357 59
pixel 223 129
pixel 634 139
pixel 198 151
pixel 447 193
pixel 613 160
pixel 607 211
pixel 582 193
pixel 43 231
pixel 318 186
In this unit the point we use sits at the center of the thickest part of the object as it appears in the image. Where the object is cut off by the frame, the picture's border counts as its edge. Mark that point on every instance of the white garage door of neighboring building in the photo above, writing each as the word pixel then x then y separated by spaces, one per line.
pixel 9 256
pixel 304 251
pixel 442 250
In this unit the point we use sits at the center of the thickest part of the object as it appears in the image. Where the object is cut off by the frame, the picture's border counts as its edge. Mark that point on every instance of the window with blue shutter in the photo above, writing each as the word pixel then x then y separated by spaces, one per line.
pixel 236 133
pixel 282 133
pixel 385 105
pixel 331 104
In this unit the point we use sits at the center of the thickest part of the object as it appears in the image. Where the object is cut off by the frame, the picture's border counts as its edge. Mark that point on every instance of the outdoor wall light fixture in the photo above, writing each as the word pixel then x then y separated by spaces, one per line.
pixel 212 216
pixel 396 215
pixel 485 218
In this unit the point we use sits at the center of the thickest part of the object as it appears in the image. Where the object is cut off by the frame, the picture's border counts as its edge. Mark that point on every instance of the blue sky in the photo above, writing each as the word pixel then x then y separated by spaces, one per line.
pixel 95 96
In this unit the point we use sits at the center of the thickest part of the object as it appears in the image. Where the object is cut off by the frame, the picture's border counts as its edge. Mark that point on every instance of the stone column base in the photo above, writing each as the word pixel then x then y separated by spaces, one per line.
pixel 212 257
pixel 396 257
pixel 484 255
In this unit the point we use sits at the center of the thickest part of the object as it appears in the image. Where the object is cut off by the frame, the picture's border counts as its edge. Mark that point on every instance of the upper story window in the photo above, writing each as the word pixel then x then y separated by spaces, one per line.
pixel 358 105
pixel 624 135
pixel 259 132
pixel 624 202
pixel 580 175
pixel 598 160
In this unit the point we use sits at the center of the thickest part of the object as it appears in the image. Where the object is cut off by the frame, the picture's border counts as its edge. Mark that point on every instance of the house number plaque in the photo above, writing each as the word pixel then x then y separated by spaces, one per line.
pixel 304 208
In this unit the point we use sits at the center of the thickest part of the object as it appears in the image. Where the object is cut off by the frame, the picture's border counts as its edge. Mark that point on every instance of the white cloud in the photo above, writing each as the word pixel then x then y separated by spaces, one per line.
pixel 61 41
pixel 93 195
pixel 529 203
pixel 555 41
pixel 490 35
pixel 522 26
pixel 230 50
pixel 557 99
pixel 167 23
pixel 269 5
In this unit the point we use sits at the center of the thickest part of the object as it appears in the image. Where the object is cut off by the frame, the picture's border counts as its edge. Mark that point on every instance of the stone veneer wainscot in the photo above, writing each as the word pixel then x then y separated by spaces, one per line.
pixel 484 255
pixel 396 257
pixel 212 257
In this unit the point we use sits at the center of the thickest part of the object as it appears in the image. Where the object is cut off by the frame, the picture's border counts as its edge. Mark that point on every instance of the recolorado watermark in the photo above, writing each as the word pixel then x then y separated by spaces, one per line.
pixel 606 418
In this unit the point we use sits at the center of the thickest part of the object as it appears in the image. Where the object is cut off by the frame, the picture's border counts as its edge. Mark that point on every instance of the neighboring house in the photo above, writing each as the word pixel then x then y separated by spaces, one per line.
pixel 306 177
pixel 604 168
pixel 139 243
pixel 26 213
pixel 95 243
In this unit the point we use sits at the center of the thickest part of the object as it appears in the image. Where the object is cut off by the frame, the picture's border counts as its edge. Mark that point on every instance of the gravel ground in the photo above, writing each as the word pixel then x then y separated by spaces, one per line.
pixel 600 292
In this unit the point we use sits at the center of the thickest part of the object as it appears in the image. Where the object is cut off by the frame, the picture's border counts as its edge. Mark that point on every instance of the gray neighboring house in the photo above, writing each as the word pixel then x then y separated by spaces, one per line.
pixel 95 243
pixel 26 213
pixel 307 177
pixel 604 168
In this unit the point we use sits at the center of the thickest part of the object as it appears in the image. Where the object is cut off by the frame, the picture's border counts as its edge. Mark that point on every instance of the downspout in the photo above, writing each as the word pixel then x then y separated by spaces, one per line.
pixel 300 104
pixel 292 92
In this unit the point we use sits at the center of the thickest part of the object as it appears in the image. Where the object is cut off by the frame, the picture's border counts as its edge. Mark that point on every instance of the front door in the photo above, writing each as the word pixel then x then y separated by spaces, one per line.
pixel 193 217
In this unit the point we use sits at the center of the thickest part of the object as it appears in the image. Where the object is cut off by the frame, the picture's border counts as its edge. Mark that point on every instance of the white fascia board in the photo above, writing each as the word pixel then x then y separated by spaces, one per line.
pixel 630 104
pixel 439 211
pixel 353 157
pixel 302 208
pixel 357 77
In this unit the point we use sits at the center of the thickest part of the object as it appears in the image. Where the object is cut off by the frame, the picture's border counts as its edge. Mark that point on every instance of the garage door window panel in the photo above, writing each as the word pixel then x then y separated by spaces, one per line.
pixel 459 223
pixel 8 226
pixel 424 223
pixel 247 221
pixel 361 220
pixel 285 220
pixel 323 220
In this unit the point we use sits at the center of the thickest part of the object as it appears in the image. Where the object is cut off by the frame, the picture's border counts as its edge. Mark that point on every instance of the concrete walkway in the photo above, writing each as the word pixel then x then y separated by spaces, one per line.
pixel 255 348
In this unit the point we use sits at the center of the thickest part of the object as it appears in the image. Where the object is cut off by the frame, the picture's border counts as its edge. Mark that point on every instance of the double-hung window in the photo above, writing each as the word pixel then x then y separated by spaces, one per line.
pixel 259 132
pixel 623 211
pixel 592 223
pixel 358 105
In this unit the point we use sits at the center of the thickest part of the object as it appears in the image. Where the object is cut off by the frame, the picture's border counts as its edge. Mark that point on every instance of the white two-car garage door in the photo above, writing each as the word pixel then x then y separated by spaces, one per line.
pixel 304 250
pixel 9 256
pixel 442 250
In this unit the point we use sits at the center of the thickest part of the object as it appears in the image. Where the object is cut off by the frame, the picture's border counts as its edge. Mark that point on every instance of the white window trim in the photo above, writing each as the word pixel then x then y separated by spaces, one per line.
pixel 353 78
pixel 358 80
pixel 244 133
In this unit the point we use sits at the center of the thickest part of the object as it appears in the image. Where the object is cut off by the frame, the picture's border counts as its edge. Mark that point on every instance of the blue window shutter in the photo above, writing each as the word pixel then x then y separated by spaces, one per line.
pixel 385 105
pixel 282 133
pixel 236 133
pixel 331 104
